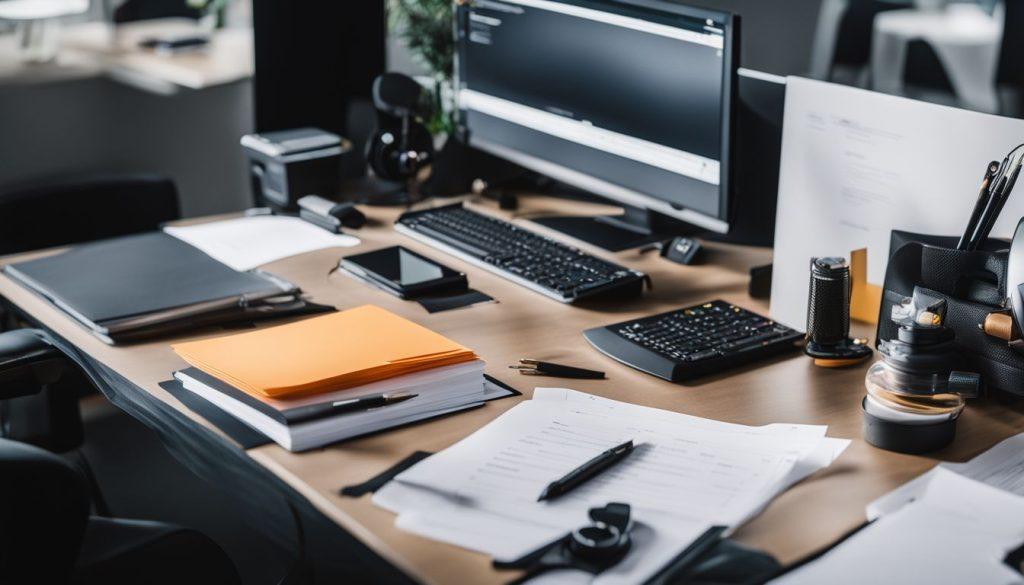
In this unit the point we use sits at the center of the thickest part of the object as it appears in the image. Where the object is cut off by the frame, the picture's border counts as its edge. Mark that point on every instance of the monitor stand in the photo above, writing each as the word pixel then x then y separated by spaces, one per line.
pixel 634 228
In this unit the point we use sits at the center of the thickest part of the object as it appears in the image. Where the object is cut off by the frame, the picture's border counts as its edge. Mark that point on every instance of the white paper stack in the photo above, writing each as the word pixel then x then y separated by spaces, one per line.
pixel 439 391
pixel 954 524
pixel 957 531
pixel 687 474
pixel 1001 466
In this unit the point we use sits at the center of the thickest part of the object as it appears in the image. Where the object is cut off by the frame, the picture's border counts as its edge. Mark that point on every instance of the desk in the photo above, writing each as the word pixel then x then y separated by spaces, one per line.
pixel 91 49
pixel 228 58
pixel 965 38
pixel 787 389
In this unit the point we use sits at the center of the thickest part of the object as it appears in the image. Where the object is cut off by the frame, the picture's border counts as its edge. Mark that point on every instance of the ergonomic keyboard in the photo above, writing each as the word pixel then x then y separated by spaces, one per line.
pixel 539 263
pixel 703 339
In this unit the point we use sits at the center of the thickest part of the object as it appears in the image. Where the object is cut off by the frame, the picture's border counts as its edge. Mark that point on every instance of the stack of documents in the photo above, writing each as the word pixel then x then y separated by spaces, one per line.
pixel 686 475
pixel 978 505
pixel 958 530
pixel 266 377
pixel 1001 466
pixel 135 287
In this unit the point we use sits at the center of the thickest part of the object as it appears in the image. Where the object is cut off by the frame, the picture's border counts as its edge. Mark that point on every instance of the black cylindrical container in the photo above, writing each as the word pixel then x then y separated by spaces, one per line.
pixel 828 303
pixel 828 316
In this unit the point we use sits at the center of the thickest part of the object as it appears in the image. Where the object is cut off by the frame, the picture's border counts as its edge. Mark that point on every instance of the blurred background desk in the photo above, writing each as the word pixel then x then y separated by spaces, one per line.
pixel 116 51
pixel 109 106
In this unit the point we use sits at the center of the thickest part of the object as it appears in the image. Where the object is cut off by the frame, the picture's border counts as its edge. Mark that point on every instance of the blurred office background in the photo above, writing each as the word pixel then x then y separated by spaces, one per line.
pixel 79 97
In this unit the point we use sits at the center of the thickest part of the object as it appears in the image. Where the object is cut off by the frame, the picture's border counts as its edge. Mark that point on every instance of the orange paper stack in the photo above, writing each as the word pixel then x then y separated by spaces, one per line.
pixel 322 354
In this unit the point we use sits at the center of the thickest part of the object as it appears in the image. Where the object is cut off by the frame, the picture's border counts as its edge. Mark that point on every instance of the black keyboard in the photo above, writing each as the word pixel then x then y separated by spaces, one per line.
pixel 539 263
pixel 703 339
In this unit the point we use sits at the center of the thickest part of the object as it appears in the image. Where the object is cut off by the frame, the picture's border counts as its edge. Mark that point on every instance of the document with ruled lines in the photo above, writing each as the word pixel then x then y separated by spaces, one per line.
pixel 686 474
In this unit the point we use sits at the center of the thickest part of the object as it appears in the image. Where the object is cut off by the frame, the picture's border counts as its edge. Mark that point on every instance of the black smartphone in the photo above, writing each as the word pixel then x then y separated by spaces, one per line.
pixel 404 273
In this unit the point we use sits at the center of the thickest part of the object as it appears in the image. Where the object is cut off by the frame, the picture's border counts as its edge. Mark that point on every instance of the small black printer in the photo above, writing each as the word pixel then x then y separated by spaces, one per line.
pixel 287 165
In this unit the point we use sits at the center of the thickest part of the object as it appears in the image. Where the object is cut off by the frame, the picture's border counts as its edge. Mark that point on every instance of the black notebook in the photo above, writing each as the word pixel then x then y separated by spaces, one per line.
pixel 142 282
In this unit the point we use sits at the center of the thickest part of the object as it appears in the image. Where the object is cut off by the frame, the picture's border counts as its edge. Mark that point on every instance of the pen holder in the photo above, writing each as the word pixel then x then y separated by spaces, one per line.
pixel 973 284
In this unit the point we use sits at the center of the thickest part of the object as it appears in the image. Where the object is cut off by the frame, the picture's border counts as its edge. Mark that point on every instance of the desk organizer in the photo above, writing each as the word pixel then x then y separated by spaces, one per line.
pixel 973 283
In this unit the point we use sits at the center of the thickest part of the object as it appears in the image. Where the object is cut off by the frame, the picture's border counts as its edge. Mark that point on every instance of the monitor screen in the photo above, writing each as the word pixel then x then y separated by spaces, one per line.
pixel 627 99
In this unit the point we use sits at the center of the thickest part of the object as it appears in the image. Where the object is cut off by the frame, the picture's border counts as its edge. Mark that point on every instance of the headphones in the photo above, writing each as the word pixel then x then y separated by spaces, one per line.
pixel 401 145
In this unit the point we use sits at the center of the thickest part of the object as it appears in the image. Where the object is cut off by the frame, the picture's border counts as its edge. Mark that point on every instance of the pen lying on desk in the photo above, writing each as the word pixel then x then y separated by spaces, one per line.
pixel 360 404
pixel 539 368
pixel 586 472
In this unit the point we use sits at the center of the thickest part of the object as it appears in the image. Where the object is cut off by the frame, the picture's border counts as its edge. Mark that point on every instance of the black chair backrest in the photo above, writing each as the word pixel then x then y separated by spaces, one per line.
pixel 1010 71
pixel 853 41
pixel 44 508
pixel 81 210
pixel 923 68
pixel 133 10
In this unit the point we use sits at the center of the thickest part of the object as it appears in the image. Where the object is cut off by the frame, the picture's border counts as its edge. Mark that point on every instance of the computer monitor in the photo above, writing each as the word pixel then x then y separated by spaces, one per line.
pixel 627 99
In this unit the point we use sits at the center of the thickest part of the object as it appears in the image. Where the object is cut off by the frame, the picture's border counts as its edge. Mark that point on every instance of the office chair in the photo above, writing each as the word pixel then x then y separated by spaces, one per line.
pixel 925 77
pixel 48 536
pixel 46 533
pixel 1009 73
pixel 842 40
pixel 69 211
pixel 58 213
pixel 134 10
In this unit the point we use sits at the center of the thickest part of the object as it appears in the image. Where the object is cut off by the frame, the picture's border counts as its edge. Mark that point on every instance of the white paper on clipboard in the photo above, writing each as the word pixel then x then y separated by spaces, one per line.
pixel 858 164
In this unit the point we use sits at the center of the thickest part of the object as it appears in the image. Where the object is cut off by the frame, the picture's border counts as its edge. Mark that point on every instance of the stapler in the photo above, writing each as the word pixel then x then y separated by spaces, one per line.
pixel 330 215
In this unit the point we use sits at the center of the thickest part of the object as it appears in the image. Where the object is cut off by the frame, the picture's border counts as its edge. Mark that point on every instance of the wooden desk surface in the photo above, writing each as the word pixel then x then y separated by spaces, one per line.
pixel 524 324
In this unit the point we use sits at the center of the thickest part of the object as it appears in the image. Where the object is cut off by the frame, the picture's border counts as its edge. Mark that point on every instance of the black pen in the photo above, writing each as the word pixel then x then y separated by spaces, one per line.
pixel 979 205
pixel 539 368
pixel 586 472
pixel 990 214
pixel 317 411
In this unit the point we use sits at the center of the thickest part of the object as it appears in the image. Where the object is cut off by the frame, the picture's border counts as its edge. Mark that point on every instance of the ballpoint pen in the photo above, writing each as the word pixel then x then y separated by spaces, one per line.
pixel 359 404
pixel 586 472
pixel 979 205
pixel 1005 181
pixel 538 368
pixel 988 216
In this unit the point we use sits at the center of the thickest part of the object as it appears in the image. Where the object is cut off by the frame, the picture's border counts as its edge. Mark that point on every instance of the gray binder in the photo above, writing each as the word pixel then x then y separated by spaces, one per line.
pixel 146 281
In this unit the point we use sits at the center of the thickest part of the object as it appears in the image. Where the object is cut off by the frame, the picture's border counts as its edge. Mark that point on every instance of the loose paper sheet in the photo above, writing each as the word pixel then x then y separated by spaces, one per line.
pixel 687 474
pixel 248 242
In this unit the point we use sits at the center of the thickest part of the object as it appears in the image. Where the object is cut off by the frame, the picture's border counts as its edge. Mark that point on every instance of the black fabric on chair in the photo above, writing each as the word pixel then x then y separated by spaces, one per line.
pixel 141 551
pixel 1010 73
pixel 47 536
pixel 925 77
pixel 38 403
pixel 65 212
pixel 133 10
pixel 44 508
pixel 852 55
